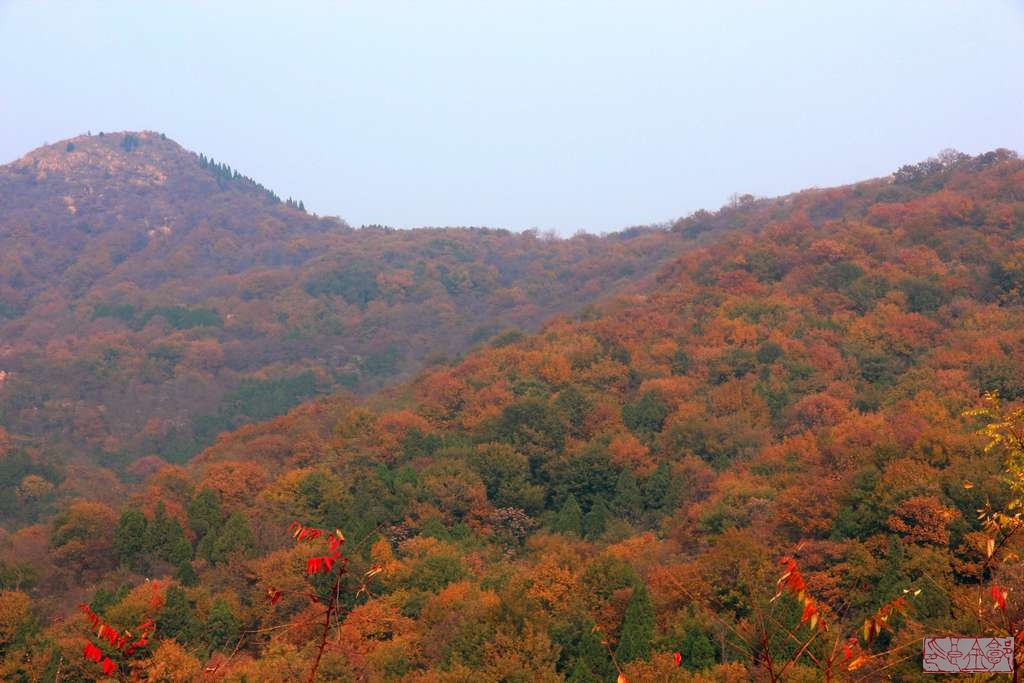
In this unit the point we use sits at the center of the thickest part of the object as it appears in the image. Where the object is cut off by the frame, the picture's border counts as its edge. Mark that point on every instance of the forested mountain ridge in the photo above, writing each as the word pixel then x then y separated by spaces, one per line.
pixel 151 297
pixel 613 494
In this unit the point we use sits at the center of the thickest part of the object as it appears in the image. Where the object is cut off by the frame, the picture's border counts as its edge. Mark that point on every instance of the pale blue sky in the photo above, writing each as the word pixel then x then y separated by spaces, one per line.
pixel 534 113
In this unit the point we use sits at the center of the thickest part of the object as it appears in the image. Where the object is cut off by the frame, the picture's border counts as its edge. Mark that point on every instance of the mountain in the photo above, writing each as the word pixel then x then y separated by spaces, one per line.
pixel 783 410
pixel 151 298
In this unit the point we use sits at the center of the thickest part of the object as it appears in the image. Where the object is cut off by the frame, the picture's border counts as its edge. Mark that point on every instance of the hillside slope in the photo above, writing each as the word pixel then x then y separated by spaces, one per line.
pixel 632 474
pixel 151 298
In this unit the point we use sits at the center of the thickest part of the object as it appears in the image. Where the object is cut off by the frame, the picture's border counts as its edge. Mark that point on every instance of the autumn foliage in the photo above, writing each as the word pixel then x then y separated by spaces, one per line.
pixel 789 452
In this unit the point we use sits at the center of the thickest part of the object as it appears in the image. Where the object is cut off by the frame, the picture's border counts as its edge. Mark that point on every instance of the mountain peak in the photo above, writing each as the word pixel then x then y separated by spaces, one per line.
pixel 129 161
pixel 145 157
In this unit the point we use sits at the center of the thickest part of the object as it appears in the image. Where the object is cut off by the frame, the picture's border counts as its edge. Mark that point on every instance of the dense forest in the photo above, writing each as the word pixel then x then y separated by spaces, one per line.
pixel 151 298
pixel 781 441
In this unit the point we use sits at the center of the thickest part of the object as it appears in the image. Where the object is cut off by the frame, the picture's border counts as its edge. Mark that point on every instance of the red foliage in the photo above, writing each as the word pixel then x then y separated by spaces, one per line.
pixel 999 595
pixel 792 582
pixel 123 642
pixel 91 652
pixel 108 666
pixel 323 563
pixel 319 563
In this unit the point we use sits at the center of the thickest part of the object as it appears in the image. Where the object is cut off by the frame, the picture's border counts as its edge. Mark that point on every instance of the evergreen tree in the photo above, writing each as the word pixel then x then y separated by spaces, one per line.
pixel 104 599
pixel 893 578
pixel 574 406
pixel 233 542
pixel 637 628
pixel 204 548
pixel 221 628
pixel 177 620
pixel 661 495
pixel 581 673
pixel 696 649
pixel 157 529
pixel 646 416
pixel 627 502
pixel 186 574
pixel 179 550
pixel 593 657
pixel 570 518
pixel 597 519
pixel 165 539
pixel 588 476
pixel 130 540
pixel 204 513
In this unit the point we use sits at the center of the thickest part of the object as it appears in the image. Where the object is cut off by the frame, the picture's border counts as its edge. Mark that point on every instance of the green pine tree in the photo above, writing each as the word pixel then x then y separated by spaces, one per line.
pixel 178 549
pixel 157 530
pixel 596 519
pixel 647 416
pixel 697 651
pixel 627 502
pixel 221 628
pixel 186 574
pixel 637 628
pixel 661 495
pixel 593 656
pixel 204 548
pixel 893 578
pixel 104 599
pixel 570 518
pixel 165 539
pixel 177 619
pixel 234 541
pixel 130 540
pixel 581 673
pixel 204 513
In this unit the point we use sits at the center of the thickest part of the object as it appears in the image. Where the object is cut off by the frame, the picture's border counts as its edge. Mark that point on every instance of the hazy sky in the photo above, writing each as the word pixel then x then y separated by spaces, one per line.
pixel 534 113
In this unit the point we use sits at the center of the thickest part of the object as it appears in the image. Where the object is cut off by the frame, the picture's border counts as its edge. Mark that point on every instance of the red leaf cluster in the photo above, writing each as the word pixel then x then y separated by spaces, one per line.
pixel 999 594
pixel 92 653
pixel 108 666
pixel 302 533
pixel 320 563
pixel 792 582
pixel 115 639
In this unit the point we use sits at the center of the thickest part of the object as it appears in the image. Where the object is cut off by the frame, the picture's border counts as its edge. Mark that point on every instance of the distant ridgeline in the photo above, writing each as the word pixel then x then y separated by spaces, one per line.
pixel 225 173
pixel 152 297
